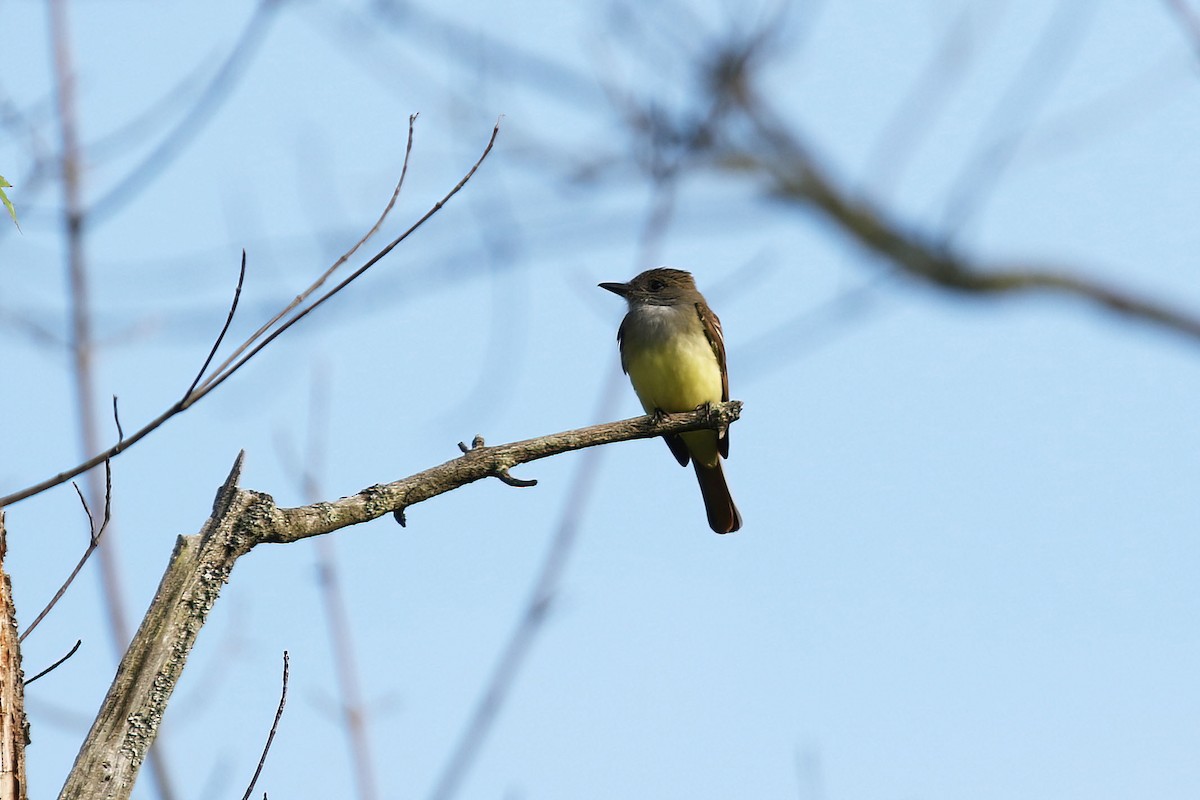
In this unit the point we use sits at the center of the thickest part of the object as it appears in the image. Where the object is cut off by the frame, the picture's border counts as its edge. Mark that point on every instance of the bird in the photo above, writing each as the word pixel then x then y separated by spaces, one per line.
pixel 673 350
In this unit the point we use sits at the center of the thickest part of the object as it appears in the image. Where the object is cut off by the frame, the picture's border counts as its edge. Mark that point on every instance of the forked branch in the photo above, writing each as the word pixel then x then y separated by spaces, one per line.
pixel 242 519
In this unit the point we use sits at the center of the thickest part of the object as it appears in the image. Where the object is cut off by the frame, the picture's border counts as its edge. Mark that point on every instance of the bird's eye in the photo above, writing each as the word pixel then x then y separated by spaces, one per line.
pixel 656 285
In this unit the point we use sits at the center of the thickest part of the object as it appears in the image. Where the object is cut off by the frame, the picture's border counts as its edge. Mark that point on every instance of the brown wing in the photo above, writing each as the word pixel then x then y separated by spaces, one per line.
pixel 621 343
pixel 716 338
pixel 712 331
pixel 679 449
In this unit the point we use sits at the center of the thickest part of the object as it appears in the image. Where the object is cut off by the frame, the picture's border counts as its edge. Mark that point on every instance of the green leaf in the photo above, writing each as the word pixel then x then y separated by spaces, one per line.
pixel 12 212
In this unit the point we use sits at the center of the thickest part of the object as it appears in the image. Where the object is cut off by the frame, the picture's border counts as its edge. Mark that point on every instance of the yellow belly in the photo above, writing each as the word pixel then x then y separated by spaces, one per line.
pixel 675 374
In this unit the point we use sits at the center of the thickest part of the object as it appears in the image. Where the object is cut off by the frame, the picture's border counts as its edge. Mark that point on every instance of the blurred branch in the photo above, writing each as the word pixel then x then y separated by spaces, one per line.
pixel 266 334
pixel 194 121
pixel 744 135
pixel 923 102
pixel 1006 127
pixel 1189 20
pixel 339 621
pixel 71 163
pixel 429 27
pixel 242 519
pixel 796 176
pixel 530 623
pixel 731 128
pixel 350 703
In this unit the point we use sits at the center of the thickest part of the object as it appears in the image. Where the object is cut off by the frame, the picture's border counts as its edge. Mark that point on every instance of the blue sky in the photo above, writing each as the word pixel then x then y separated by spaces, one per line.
pixel 970 562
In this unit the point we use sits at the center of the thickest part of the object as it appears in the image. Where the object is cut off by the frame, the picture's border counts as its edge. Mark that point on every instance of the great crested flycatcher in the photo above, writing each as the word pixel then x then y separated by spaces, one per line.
pixel 673 350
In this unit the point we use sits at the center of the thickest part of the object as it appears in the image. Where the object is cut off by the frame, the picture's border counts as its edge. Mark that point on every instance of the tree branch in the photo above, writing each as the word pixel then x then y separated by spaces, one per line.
pixel 242 519
pixel 14 729
pixel 260 339
pixel 796 176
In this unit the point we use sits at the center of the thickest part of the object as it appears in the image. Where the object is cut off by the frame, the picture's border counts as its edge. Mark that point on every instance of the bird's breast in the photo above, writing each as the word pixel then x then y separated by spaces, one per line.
pixel 669 359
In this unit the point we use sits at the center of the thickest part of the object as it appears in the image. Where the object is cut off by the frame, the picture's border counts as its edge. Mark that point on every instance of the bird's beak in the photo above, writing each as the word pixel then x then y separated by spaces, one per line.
pixel 616 288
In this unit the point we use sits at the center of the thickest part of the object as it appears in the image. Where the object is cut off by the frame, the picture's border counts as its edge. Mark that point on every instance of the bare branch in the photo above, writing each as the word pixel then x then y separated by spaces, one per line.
pixel 319 282
pixel 56 664
pixel 14 730
pixel 220 377
pixel 117 420
pixel 241 520
pixel 228 369
pixel 86 510
pixel 294 524
pixel 274 727
pixel 237 295
pixel 94 535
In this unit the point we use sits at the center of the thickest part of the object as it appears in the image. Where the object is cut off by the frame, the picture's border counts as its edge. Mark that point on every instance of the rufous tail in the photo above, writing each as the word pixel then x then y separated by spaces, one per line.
pixel 723 516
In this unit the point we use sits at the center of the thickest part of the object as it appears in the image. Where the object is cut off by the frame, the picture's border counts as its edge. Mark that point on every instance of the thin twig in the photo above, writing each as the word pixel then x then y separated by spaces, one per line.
pixel 63 590
pixel 86 510
pixel 56 664
pixel 274 727
pixel 319 282
pixel 225 372
pixel 117 420
pixel 93 543
pixel 237 295
pixel 107 501
pixel 220 377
